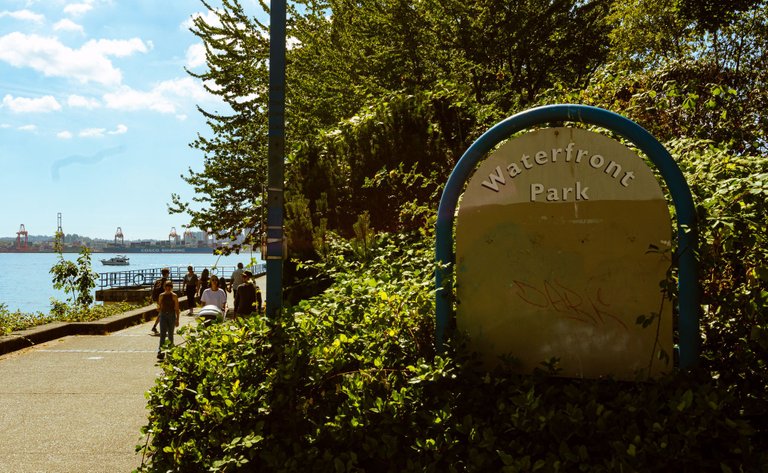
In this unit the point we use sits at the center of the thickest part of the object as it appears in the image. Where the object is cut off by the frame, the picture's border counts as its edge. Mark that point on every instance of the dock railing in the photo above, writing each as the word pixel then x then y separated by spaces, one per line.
pixel 138 278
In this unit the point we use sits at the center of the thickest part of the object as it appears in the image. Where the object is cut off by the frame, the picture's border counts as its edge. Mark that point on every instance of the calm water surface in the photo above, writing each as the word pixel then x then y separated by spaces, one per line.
pixel 26 284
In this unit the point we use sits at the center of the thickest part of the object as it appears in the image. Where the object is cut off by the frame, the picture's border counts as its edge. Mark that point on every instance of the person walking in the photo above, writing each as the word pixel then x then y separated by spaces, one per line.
pixel 157 288
pixel 236 278
pixel 215 296
pixel 190 288
pixel 168 306
pixel 245 297
pixel 259 299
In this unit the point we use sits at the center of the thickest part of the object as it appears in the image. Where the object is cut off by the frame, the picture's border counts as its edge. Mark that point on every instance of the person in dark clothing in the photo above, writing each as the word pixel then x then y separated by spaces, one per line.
pixel 204 282
pixel 245 296
pixel 259 299
pixel 190 287
pixel 168 306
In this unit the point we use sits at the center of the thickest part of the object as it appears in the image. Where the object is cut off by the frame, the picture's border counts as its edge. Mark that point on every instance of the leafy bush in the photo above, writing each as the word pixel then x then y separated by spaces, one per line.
pixel 732 203
pixel 60 312
pixel 17 320
pixel 347 381
pixel 66 313
pixel 77 279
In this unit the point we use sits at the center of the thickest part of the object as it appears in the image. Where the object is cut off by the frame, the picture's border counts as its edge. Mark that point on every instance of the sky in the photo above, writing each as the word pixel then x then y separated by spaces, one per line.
pixel 97 113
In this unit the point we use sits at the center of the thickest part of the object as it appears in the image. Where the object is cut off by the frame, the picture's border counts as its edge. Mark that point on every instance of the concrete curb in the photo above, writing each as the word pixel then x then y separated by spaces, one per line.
pixel 45 333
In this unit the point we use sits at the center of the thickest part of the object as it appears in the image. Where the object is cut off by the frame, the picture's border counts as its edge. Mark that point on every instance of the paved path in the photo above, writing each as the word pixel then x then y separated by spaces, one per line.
pixel 76 404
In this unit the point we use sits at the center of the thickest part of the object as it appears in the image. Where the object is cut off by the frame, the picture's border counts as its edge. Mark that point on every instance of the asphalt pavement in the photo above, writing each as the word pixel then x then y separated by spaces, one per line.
pixel 77 403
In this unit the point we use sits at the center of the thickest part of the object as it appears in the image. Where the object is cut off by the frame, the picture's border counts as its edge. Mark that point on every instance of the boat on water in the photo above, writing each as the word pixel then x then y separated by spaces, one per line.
pixel 119 260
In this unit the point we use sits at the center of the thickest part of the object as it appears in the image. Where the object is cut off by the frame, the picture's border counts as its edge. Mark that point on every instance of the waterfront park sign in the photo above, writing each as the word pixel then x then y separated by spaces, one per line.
pixel 563 246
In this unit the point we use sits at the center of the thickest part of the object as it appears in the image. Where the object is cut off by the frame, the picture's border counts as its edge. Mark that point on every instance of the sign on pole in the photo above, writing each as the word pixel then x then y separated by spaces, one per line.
pixel 563 245
pixel 562 241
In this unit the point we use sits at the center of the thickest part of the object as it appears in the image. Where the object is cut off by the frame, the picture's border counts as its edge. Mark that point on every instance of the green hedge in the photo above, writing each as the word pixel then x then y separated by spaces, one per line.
pixel 11 321
pixel 348 381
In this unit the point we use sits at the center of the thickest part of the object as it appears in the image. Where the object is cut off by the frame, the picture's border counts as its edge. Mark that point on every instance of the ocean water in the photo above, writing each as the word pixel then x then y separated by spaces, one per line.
pixel 26 283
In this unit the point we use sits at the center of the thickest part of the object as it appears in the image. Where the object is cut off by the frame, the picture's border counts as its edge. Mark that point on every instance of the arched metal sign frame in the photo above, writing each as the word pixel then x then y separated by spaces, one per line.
pixel 688 300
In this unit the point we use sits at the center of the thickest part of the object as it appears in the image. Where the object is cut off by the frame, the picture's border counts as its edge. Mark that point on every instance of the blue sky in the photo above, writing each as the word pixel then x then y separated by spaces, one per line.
pixel 97 113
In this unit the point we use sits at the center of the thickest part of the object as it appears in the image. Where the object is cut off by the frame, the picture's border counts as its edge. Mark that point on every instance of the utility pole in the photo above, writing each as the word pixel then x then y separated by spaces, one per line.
pixel 275 157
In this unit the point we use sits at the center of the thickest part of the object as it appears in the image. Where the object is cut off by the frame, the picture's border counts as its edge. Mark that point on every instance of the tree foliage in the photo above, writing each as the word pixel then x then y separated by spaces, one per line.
pixel 383 97
pixel 77 279
pixel 348 381
pixel 375 85
pixel 229 189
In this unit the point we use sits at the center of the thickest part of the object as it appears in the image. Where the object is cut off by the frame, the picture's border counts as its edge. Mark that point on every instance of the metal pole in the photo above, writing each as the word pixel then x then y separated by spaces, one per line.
pixel 275 157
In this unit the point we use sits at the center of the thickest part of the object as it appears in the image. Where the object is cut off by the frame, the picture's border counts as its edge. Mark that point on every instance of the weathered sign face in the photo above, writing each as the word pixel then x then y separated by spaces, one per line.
pixel 562 241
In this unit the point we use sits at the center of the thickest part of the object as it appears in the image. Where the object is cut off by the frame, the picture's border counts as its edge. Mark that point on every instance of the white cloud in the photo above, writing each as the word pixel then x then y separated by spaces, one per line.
pixel 165 97
pixel 68 25
pixel 116 47
pixel 24 15
pixel 48 55
pixel 195 55
pixel 77 9
pixel 64 135
pixel 100 132
pixel 120 130
pixel 130 99
pixel 210 17
pixel 213 85
pixel 25 105
pixel 292 43
pixel 28 128
pixel 247 98
pixel 92 132
pixel 79 101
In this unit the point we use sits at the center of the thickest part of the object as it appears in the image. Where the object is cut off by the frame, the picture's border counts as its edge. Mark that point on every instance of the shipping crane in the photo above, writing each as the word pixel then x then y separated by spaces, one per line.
pixel 189 239
pixel 119 236
pixel 22 231
pixel 173 237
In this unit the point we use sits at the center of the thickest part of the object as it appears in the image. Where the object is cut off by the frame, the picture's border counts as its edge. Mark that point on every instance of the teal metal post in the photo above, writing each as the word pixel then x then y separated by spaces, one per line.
pixel 275 157
pixel 688 294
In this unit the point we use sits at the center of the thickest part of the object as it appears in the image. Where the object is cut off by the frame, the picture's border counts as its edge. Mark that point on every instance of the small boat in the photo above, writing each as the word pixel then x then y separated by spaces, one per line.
pixel 119 260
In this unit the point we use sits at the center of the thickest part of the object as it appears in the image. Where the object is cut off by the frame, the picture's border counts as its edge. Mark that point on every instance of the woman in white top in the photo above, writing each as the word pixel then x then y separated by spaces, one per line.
pixel 215 295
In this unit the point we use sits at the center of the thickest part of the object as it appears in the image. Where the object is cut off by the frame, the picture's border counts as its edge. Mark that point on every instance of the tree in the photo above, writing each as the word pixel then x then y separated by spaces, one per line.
pixel 85 280
pixel 373 85
pixel 76 279
pixel 676 77
pixel 511 51
pixel 229 190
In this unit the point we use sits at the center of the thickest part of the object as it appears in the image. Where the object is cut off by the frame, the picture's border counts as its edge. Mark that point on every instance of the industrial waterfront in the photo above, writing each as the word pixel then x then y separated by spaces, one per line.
pixel 25 280
pixel 188 241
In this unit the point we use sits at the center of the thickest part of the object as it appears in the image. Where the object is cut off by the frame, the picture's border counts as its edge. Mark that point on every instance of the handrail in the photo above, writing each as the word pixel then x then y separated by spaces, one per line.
pixel 138 278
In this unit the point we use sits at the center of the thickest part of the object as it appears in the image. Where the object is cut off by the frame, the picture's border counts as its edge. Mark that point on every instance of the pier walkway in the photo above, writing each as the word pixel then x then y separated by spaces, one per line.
pixel 77 404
